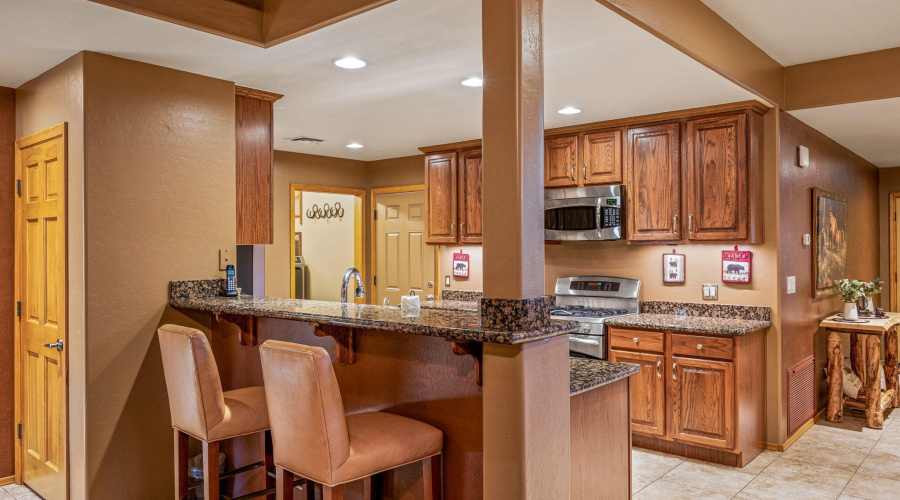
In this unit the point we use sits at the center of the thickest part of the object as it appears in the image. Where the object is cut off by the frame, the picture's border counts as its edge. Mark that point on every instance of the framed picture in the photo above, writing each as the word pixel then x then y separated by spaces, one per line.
pixel 830 241
pixel 461 265
pixel 673 268
pixel 736 266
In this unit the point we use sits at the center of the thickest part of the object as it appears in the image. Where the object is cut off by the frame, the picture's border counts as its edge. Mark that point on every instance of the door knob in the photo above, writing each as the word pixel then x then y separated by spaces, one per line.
pixel 58 345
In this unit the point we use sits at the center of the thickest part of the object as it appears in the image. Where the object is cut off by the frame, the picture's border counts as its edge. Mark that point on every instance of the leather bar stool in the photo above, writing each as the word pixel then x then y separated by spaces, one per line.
pixel 314 439
pixel 201 409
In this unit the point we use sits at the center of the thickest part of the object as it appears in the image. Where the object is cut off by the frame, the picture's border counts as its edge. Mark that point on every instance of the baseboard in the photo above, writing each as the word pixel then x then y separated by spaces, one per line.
pixel 7 480
pixel 795 436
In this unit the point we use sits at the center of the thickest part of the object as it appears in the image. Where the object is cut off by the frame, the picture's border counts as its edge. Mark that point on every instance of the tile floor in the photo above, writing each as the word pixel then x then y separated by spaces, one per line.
pixel 845 461
pixel 17 492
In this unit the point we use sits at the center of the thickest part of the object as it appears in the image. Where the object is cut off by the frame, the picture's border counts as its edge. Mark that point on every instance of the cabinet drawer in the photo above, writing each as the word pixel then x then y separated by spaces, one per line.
pixel 704 347
pixel 636 340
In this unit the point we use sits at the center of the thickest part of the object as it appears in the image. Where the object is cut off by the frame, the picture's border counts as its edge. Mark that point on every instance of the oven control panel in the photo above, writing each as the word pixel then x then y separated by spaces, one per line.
pixel 594 286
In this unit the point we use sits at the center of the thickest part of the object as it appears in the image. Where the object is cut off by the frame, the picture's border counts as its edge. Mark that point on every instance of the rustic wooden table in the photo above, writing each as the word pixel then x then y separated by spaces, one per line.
pixel 865 358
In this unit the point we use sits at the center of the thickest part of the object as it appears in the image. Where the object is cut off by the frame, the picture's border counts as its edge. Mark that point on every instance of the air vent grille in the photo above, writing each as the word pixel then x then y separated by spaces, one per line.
pixel 305 139
pixel 801 379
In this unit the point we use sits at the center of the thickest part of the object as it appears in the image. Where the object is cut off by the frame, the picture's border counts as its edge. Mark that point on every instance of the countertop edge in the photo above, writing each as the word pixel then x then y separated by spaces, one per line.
pixel 716 326
pixel 610 372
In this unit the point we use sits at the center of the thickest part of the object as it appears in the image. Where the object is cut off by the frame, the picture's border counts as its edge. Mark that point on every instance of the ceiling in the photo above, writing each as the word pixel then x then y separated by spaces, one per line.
pixel 799 31
pixel 409 95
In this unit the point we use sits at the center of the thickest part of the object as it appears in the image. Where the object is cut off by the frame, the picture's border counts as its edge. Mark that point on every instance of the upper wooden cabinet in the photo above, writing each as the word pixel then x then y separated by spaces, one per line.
pixel 717 178
pixel 602 157
pixel 255 165
pixel 653 185
pixel 440 198
pixel 469 196
pixel 561 162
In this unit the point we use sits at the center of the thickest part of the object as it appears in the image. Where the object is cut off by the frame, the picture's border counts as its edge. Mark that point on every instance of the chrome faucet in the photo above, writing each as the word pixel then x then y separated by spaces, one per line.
pixel 360 289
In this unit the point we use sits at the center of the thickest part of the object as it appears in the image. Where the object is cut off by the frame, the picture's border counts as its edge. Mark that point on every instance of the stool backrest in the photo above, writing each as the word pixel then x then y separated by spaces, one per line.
pixel 196 400
pixel 306 412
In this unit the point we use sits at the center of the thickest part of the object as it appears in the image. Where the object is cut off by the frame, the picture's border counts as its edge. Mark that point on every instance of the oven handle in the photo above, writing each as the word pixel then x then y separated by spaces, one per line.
pixel 584 341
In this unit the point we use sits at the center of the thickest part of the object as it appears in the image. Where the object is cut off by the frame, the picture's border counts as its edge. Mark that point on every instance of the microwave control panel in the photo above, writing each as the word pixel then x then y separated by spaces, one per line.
pixel 611 211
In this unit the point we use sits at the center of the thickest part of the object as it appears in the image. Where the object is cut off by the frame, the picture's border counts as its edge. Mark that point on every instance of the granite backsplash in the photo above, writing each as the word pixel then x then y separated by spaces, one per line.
pixel 756 313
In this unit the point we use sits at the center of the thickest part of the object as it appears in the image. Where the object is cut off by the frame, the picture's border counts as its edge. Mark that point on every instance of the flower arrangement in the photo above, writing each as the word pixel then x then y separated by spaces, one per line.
pixel 851 290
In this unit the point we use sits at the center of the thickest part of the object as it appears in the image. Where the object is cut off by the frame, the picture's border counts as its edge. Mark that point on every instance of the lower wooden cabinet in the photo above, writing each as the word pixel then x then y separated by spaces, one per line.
pixel 700 396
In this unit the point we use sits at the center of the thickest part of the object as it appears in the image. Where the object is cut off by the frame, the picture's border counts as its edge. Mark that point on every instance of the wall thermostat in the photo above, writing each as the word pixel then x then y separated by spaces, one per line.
pixel 802 156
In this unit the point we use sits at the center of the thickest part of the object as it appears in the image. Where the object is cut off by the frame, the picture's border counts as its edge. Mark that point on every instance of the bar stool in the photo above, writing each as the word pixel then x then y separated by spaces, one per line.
pixel 314 439
pixel 201 409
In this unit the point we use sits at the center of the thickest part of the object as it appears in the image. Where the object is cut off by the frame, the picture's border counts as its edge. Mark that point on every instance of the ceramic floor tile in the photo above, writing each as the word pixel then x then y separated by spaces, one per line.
pixel 664 490
pixel 20 492
pixel 5 496
pixel 710 478
pixel 852 425
pixel 653 464
pixel 785 479
pixel 891 435
pixel 883 461
pixel 638 482
pixel 872 488
pixel 822 446
pixel 848 497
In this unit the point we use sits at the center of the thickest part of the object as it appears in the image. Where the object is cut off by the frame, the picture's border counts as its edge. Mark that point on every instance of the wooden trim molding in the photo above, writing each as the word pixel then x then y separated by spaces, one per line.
pixel 892 253
pixel 842 80
pixel 262 95
pixel 7 480
pixel 796 435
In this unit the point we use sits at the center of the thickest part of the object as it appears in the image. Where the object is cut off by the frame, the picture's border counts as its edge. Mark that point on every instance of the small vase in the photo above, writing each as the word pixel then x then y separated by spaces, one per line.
pixel 850 312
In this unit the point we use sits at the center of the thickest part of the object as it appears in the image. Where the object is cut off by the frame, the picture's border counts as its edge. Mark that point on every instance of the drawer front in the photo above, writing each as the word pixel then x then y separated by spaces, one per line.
pixel 636 340
pixel 703 347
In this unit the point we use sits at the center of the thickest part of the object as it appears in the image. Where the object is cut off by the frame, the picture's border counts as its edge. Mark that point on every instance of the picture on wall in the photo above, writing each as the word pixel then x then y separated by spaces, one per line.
pixel 830 248
pixel 736 266
pixel 673 268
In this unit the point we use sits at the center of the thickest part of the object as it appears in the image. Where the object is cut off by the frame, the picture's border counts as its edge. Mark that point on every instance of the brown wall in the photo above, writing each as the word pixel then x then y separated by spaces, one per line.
pixel 888 182
pixel 836 169
pixel 7 281
pixel 160 203
pixel 403 171
pixel 50 99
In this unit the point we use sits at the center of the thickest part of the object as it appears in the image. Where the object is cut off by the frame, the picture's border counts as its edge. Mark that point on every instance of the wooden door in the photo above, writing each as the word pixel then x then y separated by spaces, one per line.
pixel 716 178
pixel 403 261
pixel 602 153
pixel 41 287
pixel 703 402
pixel 440 198
pixel 653 207
pixel 648 391
pixel 469 195
pixel 560 161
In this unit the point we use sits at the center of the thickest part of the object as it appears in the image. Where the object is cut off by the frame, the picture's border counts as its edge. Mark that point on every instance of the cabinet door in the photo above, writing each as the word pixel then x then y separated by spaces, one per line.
pixel 560 160
pixel 716 178
pixel 653 197
pixel 703 402
pixel 602 153
pixel 440 198
pixel 470 196
pixel 648 391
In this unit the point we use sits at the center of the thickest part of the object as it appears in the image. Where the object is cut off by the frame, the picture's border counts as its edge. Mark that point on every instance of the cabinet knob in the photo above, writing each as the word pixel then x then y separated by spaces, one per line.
pixel 699 346
pixel 635 340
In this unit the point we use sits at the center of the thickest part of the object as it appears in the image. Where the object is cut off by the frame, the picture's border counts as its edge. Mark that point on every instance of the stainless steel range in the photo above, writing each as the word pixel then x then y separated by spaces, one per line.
pixel 591 300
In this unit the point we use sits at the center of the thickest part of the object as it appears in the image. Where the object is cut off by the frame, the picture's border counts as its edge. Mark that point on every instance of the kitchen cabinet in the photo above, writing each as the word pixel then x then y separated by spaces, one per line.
pixel 469 195
pixel 653 185
pixel 602 156
pixel 699 395
pixel 440 198
pixel 561 162
pixel 254 165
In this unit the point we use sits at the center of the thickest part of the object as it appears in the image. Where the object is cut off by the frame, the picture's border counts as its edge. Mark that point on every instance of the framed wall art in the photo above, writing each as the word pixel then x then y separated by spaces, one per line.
pixel 673 267
pixel 736 266
pixel 830 245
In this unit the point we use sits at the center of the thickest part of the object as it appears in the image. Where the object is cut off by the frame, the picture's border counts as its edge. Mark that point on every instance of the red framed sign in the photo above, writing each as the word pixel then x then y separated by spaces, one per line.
pixel 736 266
pixel 461 265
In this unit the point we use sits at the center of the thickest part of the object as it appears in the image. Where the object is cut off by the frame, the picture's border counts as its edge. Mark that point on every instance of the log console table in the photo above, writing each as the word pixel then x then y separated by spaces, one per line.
pixel 866 339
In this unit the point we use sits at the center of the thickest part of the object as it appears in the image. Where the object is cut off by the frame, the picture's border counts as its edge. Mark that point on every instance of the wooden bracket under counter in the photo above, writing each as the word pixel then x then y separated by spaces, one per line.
pixel 344 337
pixel 469 348
pixel 247 324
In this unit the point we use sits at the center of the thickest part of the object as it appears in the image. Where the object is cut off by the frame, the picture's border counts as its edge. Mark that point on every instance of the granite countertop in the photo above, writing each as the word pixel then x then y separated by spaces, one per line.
pixel 586 374
pixel 699 324
pixel 451 324
pixel 455 305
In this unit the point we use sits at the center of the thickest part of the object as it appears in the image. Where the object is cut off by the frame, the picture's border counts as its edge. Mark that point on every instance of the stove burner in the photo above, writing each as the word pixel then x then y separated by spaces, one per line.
pixel 586 312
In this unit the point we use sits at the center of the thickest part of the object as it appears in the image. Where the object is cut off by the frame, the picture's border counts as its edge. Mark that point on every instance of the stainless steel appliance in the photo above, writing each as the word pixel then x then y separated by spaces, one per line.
pixel 588 213
pixel 591 300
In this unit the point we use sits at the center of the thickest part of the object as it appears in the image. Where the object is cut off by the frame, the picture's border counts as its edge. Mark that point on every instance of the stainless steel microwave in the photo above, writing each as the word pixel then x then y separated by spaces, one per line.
pixel 589 213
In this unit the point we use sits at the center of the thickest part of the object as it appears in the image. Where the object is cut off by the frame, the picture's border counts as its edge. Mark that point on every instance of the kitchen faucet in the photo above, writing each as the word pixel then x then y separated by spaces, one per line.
pixel 360 289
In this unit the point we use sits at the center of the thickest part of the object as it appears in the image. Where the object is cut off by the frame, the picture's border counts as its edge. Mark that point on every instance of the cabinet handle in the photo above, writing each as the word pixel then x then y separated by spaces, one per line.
pixel 573 173
pixel 699 347
pixel 584 172
pixel 674 366
pixel 658 369
pixel 462 229
pixel 453 230
pixel 675 223
pixel 691 223
pixel 635 340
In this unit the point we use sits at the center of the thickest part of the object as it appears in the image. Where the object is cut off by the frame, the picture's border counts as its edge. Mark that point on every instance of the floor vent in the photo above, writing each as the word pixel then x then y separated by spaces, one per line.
pixel 801 382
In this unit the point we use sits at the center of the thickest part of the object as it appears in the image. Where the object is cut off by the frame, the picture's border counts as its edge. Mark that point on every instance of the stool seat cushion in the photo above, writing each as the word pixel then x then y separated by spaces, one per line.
pixel 382 441
pixel 246 414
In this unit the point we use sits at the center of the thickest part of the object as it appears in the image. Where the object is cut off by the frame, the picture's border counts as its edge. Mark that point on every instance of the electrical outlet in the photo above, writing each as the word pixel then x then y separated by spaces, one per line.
pixel 225 258
pixel 710 291
pixel 447 280
pixel 791 284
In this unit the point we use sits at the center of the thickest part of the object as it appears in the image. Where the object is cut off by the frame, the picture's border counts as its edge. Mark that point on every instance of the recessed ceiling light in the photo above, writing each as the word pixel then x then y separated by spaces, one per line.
pixel 349 62
pixel 355 145
pixel 473 81
pixel 569 110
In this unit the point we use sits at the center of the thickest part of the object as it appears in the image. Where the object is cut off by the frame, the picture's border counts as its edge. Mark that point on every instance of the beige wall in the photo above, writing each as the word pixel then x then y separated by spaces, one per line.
pixel 160 203
pixel 475 281
pixel 50 99
pixel 403 171
pixel 328 244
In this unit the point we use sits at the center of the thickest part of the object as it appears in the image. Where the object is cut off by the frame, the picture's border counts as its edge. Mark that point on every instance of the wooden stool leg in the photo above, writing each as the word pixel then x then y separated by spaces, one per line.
pixel 333 492
pixel 431 477
pixel 858 357
pixel 373 487
pixel 211 470
pixel 874 415
pixel 891 377
pixel 834 411
pixel 284 484
pixel 270 463
pixel 181 465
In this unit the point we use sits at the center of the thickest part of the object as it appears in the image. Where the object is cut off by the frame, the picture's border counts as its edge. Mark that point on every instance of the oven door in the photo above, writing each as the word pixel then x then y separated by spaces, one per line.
pixel 571 215
pixel 589 346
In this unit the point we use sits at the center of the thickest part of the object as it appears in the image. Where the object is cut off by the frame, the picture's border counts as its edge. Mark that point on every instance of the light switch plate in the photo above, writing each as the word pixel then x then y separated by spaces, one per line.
pixel 791 284
pixel 710 291
pixel 807 239
pixel 225 258
pixel 447 280
pixel 802 156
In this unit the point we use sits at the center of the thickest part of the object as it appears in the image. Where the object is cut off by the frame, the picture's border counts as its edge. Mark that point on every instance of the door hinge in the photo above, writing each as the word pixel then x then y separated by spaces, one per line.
pixel 18 187
pixel 19 430
pixel 374 214
pixel 18 308
pixel 374 280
